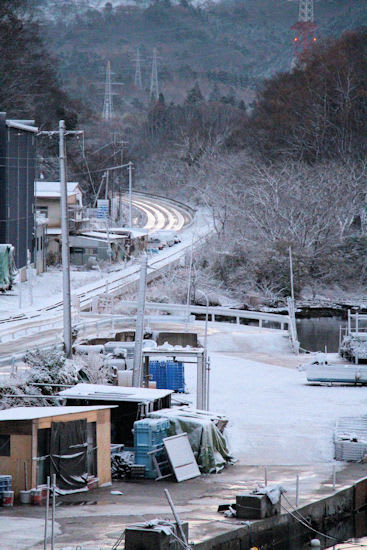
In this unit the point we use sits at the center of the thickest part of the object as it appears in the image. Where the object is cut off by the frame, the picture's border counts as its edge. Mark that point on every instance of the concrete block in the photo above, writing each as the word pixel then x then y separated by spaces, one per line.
pixel 250 506
pixel 140 538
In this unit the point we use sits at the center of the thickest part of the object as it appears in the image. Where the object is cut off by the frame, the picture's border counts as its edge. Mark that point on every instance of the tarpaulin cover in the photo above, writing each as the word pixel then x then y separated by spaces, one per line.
pixel 7 266
pixel 68 453
pixel 208 444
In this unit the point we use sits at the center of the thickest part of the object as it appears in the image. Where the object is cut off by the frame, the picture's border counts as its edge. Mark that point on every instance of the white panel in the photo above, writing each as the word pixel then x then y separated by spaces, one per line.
pixel 181 457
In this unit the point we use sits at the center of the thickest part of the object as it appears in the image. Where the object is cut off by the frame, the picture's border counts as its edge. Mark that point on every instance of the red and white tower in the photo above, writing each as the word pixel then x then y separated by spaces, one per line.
pixel 305 29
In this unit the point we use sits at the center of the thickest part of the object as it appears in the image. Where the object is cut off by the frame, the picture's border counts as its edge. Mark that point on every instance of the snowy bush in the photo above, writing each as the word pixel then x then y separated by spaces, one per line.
pixel 92 369
pixel 50 367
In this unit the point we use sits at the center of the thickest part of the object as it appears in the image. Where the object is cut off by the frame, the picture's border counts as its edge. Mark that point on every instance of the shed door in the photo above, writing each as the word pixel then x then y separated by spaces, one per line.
pixel 68 453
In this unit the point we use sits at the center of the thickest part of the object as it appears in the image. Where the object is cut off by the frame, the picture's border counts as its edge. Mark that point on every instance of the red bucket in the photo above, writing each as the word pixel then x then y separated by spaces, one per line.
pixel 8 498
pixel 36 497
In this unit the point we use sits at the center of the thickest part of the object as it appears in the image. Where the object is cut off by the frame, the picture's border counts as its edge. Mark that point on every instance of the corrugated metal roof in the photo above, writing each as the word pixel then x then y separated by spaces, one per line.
pixel 100 392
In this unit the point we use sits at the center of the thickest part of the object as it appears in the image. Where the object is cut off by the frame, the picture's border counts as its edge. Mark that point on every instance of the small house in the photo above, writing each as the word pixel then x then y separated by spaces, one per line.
pixel 132 404
pixel 48 205
pixel 71 442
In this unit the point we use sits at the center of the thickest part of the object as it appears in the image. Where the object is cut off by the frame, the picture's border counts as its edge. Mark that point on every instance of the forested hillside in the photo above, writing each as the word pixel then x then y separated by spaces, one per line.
pixel 228 47
pixel 277 156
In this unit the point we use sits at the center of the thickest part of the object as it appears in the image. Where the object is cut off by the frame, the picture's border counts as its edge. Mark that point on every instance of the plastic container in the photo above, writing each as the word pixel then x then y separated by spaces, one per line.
pixel 175 376
pixel 25 497
pixel 150 432
pixel 8 498
pixel 36 497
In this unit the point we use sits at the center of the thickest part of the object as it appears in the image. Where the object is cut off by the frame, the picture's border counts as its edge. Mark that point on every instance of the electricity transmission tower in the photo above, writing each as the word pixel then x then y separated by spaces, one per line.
pixel 305 28
pixel 138 80
pixel 154 89
pixel 107 112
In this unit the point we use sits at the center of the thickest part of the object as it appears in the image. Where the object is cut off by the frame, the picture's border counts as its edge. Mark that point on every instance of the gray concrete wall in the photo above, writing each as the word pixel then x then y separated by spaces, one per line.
pixel 285 532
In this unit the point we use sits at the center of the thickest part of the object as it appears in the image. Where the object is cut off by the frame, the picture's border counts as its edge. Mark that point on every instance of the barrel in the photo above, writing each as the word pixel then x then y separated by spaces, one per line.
pixel 8 498
pixel 25 497
pixel 36 497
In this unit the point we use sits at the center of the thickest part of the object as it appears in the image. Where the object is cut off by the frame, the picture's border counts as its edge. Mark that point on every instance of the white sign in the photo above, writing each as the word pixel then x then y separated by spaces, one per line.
pixel 181 457
pixel 103 208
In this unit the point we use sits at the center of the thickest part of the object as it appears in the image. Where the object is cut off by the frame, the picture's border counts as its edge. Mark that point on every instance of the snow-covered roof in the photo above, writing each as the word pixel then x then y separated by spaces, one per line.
pixel 51 189
pixel 31 413
pixel 53 231
pixel 134 232
pixel 100 392
pixel 26 125
pixel 101 235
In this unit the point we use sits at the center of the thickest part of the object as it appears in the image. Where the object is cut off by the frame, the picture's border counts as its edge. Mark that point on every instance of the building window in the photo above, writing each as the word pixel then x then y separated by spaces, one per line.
pixel 4 445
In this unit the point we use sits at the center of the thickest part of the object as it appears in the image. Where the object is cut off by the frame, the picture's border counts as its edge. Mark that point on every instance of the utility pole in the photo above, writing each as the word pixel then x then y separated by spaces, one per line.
pixel 154 88
pixel 107 112
pixel 291 272
pixel 139 330
pixel 65 250
pixel 130 166
pixel 138 80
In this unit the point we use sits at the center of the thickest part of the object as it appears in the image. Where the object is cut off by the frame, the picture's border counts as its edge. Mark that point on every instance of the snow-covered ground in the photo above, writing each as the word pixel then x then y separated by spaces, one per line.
pixel 47 287
pixel 276 418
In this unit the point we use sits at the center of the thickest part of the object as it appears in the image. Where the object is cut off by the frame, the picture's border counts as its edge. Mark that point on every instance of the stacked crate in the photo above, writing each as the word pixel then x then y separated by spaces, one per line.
pixel 168 375
pixel 157 370
pixel 175 376
pixel 148 436
pixel 5 485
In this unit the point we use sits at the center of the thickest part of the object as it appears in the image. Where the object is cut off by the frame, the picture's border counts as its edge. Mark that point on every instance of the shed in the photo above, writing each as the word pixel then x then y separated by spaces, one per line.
pixel 132 404
pixel 72 442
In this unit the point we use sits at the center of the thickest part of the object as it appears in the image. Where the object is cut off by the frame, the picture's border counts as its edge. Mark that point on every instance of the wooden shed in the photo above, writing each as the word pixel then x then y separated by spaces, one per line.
pixel 72 442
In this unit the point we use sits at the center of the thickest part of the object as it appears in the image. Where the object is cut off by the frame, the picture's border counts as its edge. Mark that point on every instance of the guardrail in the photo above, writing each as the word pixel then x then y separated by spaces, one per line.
pixel 83 327
pixel 215 313
pixel 178 313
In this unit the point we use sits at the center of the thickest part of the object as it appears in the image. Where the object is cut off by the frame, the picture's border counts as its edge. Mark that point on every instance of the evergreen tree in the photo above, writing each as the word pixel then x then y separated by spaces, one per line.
pixel 194 96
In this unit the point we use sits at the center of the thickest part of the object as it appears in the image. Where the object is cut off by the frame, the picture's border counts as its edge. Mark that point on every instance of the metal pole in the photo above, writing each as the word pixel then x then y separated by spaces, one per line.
pixel 206 381
pixel 266 476
pixel 46 513
pixel 189 284
pixel 20 291
pixel 53 511
pixel 297 490
pixel 177 519
pixel 291 272
pixel 349 323
pixel 65 252
pixel 334 477
pixel 29 275
pixel 106 189
pixel 130 165
pixel 139 330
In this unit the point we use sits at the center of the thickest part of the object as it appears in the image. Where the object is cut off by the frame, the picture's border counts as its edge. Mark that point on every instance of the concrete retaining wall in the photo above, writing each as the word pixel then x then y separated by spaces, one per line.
pixel 284 532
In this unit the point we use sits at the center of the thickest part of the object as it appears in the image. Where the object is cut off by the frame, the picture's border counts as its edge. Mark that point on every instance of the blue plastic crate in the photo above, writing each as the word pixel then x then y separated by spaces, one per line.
pixel 175 376
pixel 157 370
pixel 144 459
pixel 150 432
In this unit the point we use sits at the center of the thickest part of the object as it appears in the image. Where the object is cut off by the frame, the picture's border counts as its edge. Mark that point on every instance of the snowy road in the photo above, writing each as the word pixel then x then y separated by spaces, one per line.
pixel 47 288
